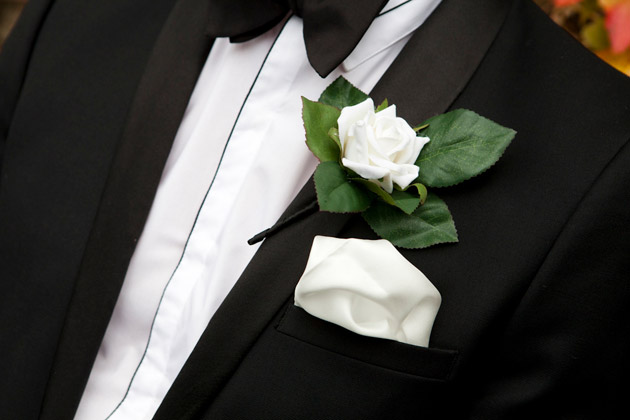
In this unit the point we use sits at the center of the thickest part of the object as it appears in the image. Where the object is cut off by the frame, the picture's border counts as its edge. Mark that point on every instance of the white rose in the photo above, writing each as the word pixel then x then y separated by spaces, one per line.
pixel 379 146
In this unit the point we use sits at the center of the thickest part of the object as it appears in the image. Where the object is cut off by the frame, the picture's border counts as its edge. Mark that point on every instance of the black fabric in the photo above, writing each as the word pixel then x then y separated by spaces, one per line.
pixel 534 297
pixel 159 104
pixel 332 28
pixel 15 58
pixel 75 84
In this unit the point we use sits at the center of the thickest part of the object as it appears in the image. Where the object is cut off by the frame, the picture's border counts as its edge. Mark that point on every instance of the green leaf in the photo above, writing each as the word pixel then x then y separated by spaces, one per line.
pixel 318 120
pixel 342 93
pixel 430 224
pixel 382 106
pixel 336 193
pixel 463 144
pixel 406 200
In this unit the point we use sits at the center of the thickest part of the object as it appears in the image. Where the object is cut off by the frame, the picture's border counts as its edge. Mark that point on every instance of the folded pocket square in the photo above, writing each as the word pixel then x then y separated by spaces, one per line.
pixel 369 288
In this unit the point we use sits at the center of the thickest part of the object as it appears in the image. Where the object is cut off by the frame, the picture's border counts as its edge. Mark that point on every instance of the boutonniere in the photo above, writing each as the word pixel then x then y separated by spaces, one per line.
pixel 374 163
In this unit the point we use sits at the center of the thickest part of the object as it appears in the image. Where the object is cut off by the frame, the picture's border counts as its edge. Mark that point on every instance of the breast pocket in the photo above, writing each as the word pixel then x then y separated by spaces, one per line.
pixel 429 363
pixel 304 368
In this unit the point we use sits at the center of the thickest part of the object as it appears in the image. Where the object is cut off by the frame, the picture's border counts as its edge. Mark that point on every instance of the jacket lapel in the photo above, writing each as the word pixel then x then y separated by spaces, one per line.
pixel 15 57
pixel 441 57
pixel 425 79
pixel 159 104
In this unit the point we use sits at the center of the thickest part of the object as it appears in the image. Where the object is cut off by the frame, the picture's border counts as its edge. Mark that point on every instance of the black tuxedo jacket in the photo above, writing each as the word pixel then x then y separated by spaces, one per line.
pixel 535 311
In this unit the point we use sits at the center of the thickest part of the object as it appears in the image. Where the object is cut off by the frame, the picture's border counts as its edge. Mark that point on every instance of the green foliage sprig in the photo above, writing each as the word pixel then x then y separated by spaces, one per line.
pixel 462 145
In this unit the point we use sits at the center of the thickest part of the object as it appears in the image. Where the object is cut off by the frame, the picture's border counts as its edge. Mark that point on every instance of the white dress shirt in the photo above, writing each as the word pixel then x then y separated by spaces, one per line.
pixel 237 161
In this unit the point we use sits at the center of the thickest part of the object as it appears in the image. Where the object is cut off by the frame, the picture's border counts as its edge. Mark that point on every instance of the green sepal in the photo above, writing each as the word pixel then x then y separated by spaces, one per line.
pixel 333 133
pixel 342 93
pixel 420 127
pixel 463 144
pixel 404 200
pixel 336 193
pixel 382 106
pixel 318 119
pixel 429 224
pixel 422 191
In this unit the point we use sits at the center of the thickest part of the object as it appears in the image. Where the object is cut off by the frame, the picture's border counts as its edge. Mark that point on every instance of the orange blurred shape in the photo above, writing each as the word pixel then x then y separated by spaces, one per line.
pixel 560 3
pixel 608 4
pixel 618 25
pixel 619 61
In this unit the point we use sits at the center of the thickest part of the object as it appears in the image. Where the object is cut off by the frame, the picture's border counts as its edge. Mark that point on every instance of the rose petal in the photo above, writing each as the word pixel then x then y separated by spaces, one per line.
pixel 351 114
pixel 364 170
pixel 357 143
pixel 410 154
pixel 387 134
pixel 385 163
pixel 406 175
pixel 420 143
pixel 377 149
pixel 390 111
pixel 386 184
pixel 405 136
pixel 405 148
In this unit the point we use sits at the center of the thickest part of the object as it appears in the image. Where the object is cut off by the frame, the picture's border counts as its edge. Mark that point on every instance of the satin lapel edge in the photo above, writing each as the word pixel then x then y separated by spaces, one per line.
pixel 159 104
pixel 442 57
pixel 271 276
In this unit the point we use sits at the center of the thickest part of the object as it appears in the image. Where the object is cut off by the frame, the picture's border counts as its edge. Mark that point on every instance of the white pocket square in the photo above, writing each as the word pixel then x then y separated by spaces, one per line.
pixel 369 288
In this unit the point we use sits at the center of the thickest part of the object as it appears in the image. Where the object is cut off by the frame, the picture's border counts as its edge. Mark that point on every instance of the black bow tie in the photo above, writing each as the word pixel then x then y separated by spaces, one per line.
pixel 332 28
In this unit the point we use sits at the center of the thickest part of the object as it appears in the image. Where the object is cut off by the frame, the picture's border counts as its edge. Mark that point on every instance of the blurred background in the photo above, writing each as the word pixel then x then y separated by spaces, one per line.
pixel 601 25
pixel 9 12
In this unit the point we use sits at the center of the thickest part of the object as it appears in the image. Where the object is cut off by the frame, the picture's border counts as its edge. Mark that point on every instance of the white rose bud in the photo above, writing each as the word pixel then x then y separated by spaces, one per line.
pixel 379 146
